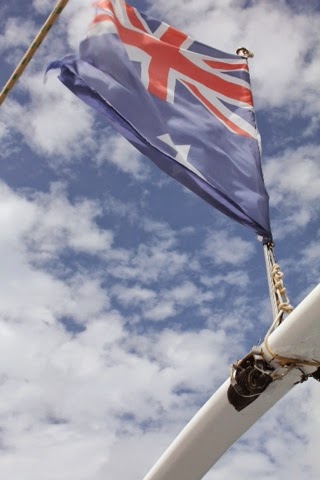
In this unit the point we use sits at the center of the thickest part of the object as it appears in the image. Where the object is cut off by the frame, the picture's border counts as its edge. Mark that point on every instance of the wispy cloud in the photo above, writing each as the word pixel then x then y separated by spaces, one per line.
pixel 293 181
pixel 123 155
pixel 18 32
pixel 222 248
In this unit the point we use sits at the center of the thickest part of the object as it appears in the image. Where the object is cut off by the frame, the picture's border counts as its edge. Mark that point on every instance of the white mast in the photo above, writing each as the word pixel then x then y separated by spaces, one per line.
pixel 288 356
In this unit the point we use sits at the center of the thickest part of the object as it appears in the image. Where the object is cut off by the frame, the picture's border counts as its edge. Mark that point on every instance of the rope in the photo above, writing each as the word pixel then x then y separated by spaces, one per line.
pixel 32 49
pixel 279 299
pixel 284 307
pixel 283 302
pixel 296 362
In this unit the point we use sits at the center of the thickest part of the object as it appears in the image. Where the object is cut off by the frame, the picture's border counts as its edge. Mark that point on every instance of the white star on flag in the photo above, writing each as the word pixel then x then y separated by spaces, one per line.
pixel 182 153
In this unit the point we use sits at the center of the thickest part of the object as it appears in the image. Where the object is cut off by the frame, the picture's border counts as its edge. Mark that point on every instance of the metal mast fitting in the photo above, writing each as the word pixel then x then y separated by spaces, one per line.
pixel 32 49
pixel 256 371
pixel 244 52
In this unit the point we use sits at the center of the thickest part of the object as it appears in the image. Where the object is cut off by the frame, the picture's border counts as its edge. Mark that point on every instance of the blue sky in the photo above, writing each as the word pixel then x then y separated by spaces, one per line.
pixel 124 298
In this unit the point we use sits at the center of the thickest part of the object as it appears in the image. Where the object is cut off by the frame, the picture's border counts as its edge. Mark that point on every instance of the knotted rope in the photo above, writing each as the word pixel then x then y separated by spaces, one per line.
pixel 284 308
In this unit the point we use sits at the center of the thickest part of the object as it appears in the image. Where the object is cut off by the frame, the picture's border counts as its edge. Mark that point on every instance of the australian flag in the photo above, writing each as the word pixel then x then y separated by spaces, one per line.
pixel 185 105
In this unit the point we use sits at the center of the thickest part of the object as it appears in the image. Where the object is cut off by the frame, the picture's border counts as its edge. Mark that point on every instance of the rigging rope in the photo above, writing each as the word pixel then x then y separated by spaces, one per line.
pixel 32 49
pixel 279 300
pixel 282 305
pixel 283 302
pixel 289 361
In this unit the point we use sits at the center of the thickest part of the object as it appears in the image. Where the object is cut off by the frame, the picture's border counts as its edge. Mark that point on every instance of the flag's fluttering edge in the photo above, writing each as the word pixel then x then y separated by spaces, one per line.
pixel 186 106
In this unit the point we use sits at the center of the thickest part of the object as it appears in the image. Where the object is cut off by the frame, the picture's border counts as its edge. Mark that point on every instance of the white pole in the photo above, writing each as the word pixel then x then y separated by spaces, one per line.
pixel 218 425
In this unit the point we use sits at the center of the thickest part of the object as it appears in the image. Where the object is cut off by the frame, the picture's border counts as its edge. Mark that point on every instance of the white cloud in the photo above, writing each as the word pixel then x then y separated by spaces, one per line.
pixel 150 262
pixel 233 278
pixel 162 310
pixel 133 295
pixel 294 173
pixel 79 14
pixel 75 222
pixel 59 125
pixel 179 298
pixel 4 131
pixel 222 248
pixel 18 32
pixel 306 261
pixel 54 123
pixel 42 6
pixel 48 222
pixel 293 180
pixel 312 253
pixel 75 20
pixel 120 152
pixel 34 231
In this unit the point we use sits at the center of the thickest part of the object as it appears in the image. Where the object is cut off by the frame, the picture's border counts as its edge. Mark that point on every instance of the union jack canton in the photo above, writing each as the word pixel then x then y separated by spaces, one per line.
pixel 185 105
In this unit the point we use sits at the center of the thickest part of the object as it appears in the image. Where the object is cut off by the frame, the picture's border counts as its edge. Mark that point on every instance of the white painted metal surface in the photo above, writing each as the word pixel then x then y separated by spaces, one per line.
pixel 299 335
pixel 218 425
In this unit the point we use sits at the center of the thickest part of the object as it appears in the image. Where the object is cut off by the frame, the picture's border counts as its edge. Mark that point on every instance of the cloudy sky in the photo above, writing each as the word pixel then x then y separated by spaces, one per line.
pixel 124 298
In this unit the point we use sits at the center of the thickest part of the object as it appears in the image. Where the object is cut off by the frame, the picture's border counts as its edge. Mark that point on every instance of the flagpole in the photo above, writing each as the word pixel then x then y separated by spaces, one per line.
pixel 32 49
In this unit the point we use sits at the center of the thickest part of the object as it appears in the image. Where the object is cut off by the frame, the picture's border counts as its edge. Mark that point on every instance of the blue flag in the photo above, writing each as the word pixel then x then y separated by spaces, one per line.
pixel 186 106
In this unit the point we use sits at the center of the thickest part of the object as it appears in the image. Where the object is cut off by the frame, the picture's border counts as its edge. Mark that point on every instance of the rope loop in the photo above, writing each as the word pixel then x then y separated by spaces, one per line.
pixel 283 307
pixel 288 361
pixel 282 299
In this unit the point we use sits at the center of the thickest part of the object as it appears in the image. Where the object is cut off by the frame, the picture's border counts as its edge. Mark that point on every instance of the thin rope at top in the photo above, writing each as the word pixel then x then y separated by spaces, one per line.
pixel 32 49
